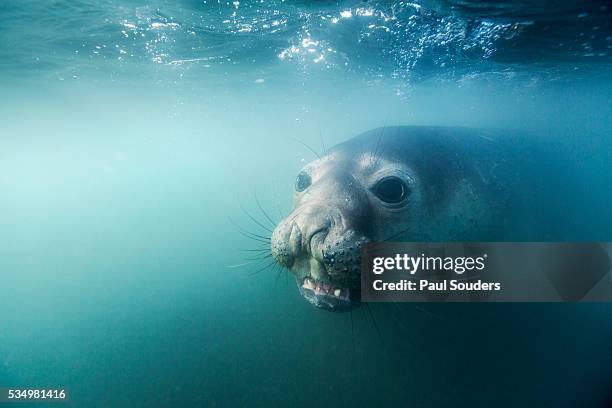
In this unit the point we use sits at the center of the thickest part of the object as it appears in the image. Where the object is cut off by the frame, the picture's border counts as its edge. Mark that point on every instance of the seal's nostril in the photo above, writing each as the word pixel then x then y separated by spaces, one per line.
pixel 322 230
pixel 295 239
pixel 315 241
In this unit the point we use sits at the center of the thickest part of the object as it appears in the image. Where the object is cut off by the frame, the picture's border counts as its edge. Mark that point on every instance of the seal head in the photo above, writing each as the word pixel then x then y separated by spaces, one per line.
pixel 353 195
pixel 423 184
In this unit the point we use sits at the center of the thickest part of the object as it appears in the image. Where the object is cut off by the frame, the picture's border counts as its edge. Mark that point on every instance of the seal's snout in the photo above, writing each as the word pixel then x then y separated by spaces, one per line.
pixel 298 236
pixel 322 249
pixel 286 243
pixel 320 241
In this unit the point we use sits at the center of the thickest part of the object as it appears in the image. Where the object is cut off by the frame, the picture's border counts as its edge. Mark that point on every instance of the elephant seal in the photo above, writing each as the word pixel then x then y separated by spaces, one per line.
pixel 417 184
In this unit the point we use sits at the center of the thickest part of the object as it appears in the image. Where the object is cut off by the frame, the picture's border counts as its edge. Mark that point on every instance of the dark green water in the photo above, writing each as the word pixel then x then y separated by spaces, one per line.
pixel 132 133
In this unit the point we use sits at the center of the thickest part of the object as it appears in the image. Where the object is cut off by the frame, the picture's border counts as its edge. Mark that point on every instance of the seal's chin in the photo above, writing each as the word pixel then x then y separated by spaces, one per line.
pixel 324 295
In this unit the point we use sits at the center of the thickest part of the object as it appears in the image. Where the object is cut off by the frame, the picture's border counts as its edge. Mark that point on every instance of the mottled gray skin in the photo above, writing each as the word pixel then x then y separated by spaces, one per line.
pixel 465 185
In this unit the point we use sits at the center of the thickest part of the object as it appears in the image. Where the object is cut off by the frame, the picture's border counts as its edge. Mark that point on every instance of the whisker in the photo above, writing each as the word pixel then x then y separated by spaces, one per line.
pixel 379 155
pixel 306 146
pixel 263 241
pixel 260 258
pixel 262 269
pixel 296 214
pixel 379 147
pixel 254 219
pixel 395 235
pixel 375 325
pixel 322 140
pixel 352 327
pixel 256 238
pixel 374 157
pixel 279 272
pixel 263 211
pixel 240 265
pixel 255 246
pixel 247 233
pixel 399 311
pixel 276 201
pixel 256 261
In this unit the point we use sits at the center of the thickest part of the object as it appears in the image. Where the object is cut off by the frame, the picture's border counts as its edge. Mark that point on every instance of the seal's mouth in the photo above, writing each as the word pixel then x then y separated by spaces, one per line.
pixel 324 295
pixel 325 261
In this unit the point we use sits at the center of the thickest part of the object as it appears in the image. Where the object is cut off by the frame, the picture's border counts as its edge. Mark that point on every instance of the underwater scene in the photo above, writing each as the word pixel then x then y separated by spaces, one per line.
pixel 186 186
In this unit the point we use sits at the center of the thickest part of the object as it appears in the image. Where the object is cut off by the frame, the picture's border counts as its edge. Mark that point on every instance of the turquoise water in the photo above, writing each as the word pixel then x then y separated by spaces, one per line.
pixel 132 133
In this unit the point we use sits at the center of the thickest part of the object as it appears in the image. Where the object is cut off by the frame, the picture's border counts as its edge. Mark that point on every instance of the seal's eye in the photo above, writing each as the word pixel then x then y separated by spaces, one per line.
pixel 391 190
pixel 302 182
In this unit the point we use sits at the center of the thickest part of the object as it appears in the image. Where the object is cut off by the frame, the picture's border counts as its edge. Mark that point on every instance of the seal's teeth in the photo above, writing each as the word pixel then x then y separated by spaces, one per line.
pixel 308 284
pixel 325 289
